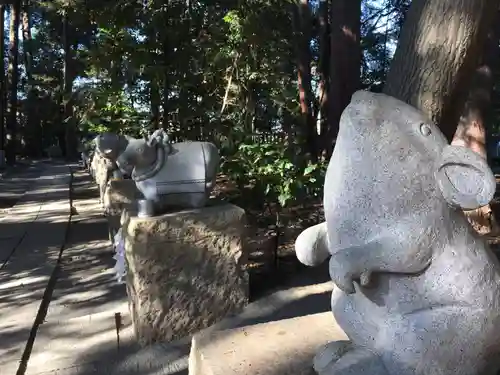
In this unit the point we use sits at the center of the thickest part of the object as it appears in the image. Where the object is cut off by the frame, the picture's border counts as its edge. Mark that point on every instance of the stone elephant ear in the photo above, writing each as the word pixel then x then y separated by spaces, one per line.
pixel 464 178
pixel 111 145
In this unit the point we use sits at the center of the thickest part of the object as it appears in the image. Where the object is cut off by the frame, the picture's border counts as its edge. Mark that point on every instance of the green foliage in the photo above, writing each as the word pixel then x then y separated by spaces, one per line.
pixel 212 70
pixel 269 170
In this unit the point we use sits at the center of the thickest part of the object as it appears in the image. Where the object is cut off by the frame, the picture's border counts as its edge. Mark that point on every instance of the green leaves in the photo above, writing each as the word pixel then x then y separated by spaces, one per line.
pixel 271 169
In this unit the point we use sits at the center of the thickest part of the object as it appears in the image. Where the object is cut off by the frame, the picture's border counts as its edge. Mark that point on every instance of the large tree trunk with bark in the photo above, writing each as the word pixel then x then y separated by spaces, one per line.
pixel 166 83
pixel 345 63
pixel 70 137
pixel 323 66
pixel 439 49
pixel 471 129
pixel 154 100
pixel 3 87
pixel 303 28
pixel 435 67
pixel 32 133
pixel 13 72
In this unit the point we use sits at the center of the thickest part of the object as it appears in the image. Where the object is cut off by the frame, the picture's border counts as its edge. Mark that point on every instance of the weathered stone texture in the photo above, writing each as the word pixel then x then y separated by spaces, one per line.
pixel 119 195
pixel 101 171
pixel 283 347
pixel 419 290
pixel 185 270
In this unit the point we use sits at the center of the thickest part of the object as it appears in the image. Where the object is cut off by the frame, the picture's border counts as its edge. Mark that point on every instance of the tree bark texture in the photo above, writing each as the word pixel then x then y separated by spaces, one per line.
pixel 441 67
pixel 70 139
pixel 154 100
pixel 324 64
pixel 345 62
pixel 32 133
pixel 3 86
pixel 303 28
pixel 471 129
pixel 166 83
pixel 13 72
pixel 439 47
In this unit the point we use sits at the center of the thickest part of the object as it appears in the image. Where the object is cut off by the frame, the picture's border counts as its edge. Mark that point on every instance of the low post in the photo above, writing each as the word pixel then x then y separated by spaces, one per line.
pixel 119 195
pixel 186 270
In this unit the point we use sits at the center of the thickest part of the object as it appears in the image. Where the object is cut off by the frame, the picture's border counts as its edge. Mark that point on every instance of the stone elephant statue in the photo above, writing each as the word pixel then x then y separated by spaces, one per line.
pixel 418 290
pixel 171 175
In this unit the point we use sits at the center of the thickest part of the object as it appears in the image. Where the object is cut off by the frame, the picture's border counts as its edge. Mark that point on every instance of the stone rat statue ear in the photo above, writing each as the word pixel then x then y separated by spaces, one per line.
pixel 464 178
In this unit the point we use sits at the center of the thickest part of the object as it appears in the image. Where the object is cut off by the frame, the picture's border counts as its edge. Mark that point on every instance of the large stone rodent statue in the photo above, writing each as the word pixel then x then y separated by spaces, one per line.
pixel 418 290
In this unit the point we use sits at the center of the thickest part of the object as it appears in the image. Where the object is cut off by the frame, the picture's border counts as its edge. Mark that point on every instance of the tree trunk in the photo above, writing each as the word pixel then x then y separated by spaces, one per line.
pixel 32 133
pixel 70 141
pixel 471 133
pixel 324 65
pixel 3 87
pixel 13 72
pixel 303 27
pixel 154 99
pixel 435 69
pixel 471 129
pixel 166 84
pixel 439 47
pixel 345 62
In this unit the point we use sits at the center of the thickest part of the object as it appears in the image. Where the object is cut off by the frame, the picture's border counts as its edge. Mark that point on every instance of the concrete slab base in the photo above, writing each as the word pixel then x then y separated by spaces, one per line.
pixel 284 347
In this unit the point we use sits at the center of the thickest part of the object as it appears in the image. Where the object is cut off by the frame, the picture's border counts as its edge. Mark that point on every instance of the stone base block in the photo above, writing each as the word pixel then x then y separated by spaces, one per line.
pixel 186 270
pixel 119 195
pixel 283 347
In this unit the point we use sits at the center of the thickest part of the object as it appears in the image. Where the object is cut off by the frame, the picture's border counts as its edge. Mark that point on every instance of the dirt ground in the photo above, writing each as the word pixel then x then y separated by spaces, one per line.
pixel 272 261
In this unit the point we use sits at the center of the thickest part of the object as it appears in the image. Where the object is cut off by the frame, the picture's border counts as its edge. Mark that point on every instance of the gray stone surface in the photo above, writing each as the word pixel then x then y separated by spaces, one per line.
pixel 274 348
pixel 178 175
pixel 102 169
pixel 185 270
pixel 119 195
pixel 37 225
pixel 419 290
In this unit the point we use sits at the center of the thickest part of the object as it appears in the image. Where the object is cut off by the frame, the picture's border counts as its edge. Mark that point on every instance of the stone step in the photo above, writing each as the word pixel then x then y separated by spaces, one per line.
pixel 283 347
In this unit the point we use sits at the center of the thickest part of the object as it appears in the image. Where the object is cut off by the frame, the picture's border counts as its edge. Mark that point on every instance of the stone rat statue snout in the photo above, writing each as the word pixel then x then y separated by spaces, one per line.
pixel 418 290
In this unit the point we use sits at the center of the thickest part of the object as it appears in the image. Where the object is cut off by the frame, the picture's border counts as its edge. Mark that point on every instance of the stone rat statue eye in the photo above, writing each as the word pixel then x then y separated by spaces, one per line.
pixel 425 129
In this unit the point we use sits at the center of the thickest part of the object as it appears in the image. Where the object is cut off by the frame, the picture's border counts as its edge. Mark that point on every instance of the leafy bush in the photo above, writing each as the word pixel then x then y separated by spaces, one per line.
pixel 270 171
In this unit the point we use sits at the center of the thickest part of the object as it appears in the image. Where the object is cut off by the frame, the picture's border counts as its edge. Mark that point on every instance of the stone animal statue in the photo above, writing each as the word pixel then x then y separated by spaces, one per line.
pixel 178 175
pixel 120 143
pixel 102 170
pixel 418 290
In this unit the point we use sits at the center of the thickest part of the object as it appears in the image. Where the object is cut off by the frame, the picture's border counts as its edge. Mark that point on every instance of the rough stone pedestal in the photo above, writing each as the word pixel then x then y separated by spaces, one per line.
pixel 119 195
pixel 283 347
pixel 185 271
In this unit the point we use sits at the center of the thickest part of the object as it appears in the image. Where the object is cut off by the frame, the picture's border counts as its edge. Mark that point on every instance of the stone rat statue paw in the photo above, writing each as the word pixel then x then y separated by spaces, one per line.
pixel 329 354
pixel 356 361
pixel 344 272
